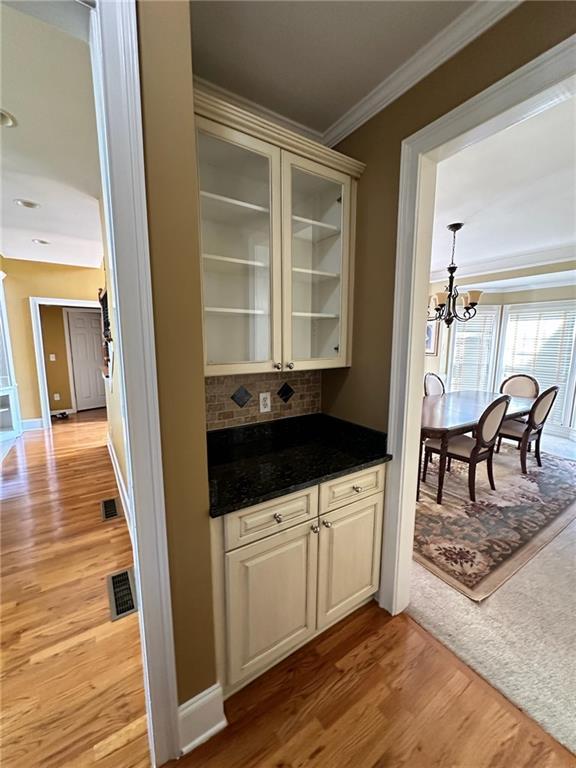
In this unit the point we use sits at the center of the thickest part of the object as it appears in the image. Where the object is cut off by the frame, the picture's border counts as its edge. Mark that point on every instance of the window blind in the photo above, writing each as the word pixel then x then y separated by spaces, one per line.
pixel 539 340
pixel 473 355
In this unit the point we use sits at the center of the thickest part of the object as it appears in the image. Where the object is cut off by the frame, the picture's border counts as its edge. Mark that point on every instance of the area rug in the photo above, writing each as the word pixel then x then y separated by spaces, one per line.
pixel 476 546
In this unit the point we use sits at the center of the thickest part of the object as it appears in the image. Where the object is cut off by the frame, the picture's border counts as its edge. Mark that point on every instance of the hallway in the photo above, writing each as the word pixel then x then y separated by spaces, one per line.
pixel 72 689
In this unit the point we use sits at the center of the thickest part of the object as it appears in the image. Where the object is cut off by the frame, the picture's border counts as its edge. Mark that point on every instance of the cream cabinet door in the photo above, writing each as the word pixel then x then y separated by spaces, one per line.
pixel 349 558
pixel 271 592
pixel 241 250
pixel 316 242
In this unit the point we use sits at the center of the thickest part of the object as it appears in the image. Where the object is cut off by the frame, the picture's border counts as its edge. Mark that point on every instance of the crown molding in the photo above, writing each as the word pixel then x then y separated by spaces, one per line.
pixel 507 263
pixel 457 35
pixel 220 110
pixel 257 109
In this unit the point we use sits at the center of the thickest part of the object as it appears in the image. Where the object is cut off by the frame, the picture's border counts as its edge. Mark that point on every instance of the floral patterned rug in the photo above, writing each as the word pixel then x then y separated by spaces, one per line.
pixel 476 546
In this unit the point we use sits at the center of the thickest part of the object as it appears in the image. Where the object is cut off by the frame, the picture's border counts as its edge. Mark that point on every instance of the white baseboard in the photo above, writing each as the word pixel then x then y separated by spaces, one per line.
pixel 122 490
pixel 63 410
pixel 28 424
pixel 201 718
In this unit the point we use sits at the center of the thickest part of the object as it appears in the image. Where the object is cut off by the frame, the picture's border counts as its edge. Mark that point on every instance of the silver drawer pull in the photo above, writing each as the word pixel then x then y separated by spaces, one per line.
pixel 315 528
pixel 326 523
pixel 357 488
pixel 278 517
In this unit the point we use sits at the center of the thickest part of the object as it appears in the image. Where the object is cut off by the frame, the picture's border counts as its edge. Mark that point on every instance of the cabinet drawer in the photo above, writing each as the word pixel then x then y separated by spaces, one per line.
pixel 254 523
pixel 344 490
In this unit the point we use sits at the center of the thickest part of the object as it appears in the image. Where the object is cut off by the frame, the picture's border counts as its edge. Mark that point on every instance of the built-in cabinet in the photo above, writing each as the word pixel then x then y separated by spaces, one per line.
pixel 288 568
pixel 277 244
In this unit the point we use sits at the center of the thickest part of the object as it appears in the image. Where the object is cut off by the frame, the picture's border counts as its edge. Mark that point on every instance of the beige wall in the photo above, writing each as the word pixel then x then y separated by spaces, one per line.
pixel 35 278
pixel 171 178
pixel 361 392
pixel 54 341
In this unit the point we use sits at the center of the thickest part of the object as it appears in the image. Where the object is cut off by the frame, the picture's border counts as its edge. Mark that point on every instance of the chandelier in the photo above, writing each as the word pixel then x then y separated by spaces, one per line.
pixel 445 302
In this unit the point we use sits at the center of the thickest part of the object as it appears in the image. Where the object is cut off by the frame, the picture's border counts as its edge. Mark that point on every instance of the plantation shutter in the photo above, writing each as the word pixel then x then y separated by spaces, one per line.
pixel 538 339
pixel 473 354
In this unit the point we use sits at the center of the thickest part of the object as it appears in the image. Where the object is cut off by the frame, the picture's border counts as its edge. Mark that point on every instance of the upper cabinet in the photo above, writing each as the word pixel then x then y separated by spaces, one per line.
pixel 276 241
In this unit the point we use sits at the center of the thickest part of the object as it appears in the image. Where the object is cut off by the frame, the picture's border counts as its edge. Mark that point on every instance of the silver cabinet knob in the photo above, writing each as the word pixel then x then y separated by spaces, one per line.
pixel 278 366
pixel 357 488
pixel 290 365
pixel 278 517
pixel 315 528
pixel 326 523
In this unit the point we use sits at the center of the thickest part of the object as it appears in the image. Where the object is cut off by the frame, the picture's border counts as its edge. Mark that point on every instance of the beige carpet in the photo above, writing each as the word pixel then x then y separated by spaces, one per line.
pixel 476 546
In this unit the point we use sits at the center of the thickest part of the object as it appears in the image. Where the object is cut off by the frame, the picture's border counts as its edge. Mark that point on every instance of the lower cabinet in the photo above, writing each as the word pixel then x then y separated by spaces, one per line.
pixel 349 558
pixel 271 592
pixel 281 590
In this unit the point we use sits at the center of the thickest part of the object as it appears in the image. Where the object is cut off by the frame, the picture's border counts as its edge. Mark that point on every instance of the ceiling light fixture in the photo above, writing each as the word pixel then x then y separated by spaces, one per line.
pixel 26 203
pixel 444 302
pixel 7 120
pixel 38 241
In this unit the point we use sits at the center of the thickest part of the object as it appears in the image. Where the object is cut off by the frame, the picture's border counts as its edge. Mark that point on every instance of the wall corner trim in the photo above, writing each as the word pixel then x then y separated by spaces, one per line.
pixel 201 718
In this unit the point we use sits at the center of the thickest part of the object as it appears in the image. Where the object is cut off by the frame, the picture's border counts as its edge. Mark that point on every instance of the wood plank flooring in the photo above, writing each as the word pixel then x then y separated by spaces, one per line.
pixel 375 691
pixel 71 681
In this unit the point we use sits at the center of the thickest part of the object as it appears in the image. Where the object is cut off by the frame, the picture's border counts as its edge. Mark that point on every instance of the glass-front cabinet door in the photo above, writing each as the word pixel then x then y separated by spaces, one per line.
pixel 241 250
pixel 316 234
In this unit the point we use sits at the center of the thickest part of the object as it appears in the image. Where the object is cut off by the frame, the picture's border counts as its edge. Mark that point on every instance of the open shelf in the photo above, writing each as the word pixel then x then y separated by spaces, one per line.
pixel 311 229
pixel 316 315
pixel 228 210
pixel 233 262
pixel 234 311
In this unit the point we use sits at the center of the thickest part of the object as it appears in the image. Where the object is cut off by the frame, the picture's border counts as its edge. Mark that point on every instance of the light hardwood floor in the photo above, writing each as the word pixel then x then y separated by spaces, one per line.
pixel 375 691
pixel 71 680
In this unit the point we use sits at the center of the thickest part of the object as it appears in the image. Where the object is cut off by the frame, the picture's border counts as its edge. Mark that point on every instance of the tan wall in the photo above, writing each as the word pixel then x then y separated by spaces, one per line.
pixel 57 373
pixel 171 178
pixel 35 278
pixel 361 392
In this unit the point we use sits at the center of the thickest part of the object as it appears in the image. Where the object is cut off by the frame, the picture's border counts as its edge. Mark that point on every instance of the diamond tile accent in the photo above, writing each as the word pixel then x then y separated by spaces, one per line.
pixel 241 396
pixel 285 392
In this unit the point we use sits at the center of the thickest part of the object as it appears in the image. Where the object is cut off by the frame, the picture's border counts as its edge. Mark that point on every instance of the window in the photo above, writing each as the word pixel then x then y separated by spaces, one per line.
pixel 473 351
pixel 539 339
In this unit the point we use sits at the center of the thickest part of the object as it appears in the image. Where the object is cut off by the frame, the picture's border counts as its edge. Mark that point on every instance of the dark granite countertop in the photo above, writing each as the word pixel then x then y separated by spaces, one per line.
pixel 258 462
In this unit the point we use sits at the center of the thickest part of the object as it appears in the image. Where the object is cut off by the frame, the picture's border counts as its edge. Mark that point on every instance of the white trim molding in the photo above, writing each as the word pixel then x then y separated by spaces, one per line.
pixel 35 303
pixel 201 718
pixel 29 424
pixel 457 35
pixel 116 76
pixel 520 95
pixel 122 490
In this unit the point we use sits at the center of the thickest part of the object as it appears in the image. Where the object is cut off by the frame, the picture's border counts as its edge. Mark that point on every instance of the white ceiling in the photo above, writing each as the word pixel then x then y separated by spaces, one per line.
pixel 51 155
pixel 313 62
pixel 529 282
pixel 515 192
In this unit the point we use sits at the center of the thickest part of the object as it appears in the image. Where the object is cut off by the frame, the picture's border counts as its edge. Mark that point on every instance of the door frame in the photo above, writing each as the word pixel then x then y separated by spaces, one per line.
pixel 35 303
pixel 116 81
pixel 522 94
pixel 67 312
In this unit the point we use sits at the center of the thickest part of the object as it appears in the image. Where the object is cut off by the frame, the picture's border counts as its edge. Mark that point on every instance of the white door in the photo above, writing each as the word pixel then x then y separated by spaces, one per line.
pixel 271 589
pixel 349 558
pixel 87 360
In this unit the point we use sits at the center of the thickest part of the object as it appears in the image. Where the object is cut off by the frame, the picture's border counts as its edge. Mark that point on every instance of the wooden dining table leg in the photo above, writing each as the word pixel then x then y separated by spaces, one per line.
pixel 442 467
pixel 419 467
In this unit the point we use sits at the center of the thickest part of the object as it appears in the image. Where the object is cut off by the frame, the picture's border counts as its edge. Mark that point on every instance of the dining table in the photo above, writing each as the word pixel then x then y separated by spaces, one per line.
pixel 456 413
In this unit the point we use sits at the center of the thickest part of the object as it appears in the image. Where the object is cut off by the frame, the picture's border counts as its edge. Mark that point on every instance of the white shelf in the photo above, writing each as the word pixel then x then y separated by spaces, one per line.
pixel 234 311
pixel 311 229
pixel 318 273
pixel 316 315
pixel 233 261
pixel 228 210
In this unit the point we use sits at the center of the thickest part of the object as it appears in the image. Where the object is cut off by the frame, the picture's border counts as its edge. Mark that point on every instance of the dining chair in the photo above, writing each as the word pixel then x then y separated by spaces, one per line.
pixel 433 385
pixel 473 450
pixel 520 385
pixel 525 433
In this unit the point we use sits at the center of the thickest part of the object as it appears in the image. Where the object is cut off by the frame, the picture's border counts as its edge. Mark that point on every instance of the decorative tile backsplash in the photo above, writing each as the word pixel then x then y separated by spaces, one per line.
pixel 293 393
